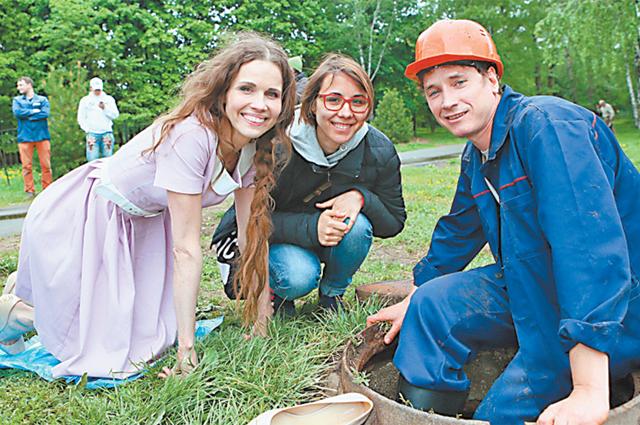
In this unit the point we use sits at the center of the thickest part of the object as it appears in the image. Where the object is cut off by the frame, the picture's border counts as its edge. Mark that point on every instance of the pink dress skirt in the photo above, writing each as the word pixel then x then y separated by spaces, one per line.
pixel 101 279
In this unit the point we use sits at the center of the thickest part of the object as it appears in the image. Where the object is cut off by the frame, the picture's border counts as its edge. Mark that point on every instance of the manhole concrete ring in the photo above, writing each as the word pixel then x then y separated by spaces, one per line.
pixel 386 411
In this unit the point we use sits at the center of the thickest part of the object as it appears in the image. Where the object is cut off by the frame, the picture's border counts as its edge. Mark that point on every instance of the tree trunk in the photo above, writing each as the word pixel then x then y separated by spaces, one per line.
pixel 635 100
pixel 551 81
pixel 432 122
pixel 573 82
pixel 634 104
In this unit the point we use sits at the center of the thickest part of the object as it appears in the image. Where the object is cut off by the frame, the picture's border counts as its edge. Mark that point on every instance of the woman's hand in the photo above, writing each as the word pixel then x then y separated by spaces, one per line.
pixel 348 203
pixel 187 360
pixel 259 328
pixel 265 313
pixel 331 228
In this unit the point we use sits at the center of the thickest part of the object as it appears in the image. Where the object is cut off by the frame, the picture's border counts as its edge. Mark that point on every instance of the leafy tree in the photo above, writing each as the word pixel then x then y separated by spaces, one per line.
pixel 512 25
pixel 368 30
pixel 20 21
pixel 580 49
pixel 65 88
pixel 303 27
pixel 595 48
pixel 392 118
pixel 399 53
pixel 142 50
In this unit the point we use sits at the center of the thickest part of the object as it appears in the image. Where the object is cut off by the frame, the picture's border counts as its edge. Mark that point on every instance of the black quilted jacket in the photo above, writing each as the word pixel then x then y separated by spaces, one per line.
pixel 373 168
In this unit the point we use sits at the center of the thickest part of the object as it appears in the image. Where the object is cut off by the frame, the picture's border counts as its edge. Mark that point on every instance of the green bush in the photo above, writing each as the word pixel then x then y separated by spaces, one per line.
pixel 65 88
pixel 393 118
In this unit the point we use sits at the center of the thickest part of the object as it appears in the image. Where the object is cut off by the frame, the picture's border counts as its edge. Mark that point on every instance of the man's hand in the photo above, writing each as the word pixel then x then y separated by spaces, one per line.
pixel 394 315
pixel 588 403
pixel 101 105
pixel 584 406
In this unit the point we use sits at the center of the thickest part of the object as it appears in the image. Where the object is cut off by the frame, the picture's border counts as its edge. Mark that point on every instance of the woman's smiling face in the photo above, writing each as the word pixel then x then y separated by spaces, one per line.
pixel 253 101
pixel 335 128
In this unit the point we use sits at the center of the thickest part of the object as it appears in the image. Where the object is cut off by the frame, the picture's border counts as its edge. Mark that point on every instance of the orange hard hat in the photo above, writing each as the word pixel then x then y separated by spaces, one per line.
pixel 452 40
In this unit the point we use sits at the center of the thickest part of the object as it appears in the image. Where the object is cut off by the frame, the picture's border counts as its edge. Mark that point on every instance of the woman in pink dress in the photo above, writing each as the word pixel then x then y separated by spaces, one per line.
pixel 110 260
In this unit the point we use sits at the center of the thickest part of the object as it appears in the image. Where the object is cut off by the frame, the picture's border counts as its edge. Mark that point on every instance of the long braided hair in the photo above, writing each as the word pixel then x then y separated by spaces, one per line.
pixel 203 95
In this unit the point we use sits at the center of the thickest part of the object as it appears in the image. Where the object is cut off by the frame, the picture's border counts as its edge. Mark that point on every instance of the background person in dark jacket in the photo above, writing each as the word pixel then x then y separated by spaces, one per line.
pixel 301 78
pixel 341 187
pixel 32 111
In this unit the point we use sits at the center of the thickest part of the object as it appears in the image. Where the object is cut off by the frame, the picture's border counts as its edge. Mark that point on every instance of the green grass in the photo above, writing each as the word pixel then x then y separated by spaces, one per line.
pixel 238 380
pixel 427 139
pixel 12 185
pixel 628 136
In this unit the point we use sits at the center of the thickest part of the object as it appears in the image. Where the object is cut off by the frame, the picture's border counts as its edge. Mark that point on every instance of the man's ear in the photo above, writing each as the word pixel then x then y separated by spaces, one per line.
pixel 493 79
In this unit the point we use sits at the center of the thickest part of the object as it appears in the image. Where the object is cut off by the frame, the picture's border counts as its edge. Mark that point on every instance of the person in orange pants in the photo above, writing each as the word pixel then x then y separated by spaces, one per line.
pixel 32 111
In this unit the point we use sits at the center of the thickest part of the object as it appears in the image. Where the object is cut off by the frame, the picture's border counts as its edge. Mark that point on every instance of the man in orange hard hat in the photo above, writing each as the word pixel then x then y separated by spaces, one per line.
pixel 546 185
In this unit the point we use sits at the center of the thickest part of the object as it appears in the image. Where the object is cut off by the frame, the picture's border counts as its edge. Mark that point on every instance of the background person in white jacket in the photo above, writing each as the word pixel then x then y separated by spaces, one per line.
pixel 96 113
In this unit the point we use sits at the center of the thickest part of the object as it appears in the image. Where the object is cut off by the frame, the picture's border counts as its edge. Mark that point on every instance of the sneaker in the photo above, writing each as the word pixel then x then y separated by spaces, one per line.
pixel 29 196
pixel 283 307
pixel 331 304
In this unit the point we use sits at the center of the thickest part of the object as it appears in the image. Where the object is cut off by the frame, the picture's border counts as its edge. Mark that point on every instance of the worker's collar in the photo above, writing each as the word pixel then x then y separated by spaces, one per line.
pixel 502 120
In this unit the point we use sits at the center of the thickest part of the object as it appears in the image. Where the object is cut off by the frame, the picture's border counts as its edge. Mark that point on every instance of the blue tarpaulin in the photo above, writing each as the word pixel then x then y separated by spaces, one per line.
pixel 37 359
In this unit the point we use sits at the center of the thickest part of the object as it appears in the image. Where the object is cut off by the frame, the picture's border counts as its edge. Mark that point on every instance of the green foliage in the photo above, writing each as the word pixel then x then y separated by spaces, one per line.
pixel 578 49
pixel 301 26
pixel 65 88
pixel 368 30
pixel 392 118
pixel 19 41
pixel 590 61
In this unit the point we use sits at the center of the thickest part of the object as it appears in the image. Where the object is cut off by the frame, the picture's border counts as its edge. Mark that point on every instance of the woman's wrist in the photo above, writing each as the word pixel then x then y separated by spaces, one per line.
pixel 187 343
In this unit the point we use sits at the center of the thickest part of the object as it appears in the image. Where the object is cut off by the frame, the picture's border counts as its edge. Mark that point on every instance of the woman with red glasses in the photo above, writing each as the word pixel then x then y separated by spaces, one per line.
pixel 341 187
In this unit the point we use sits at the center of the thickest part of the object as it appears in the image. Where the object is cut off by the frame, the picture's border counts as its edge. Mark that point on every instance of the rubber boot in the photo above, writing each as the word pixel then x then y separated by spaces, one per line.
pixel 449 403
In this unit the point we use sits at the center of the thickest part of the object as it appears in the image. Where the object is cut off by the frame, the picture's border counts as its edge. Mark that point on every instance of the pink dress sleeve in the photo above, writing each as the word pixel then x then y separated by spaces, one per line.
pixel 183 160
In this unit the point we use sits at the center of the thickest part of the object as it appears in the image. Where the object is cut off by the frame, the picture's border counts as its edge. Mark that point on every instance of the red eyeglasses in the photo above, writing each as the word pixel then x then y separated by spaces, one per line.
pixel 335 102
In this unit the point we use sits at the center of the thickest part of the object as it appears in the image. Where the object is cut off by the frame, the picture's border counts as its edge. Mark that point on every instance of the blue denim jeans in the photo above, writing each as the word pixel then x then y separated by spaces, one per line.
pixel 99 145
pixel 295 271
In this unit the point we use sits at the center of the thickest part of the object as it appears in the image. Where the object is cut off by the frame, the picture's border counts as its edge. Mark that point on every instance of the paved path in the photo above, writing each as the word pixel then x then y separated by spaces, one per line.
pixel 424 156
pixel 11 218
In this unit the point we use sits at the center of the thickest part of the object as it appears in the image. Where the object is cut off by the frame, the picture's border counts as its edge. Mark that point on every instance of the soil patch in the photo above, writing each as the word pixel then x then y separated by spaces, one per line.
pixel 9 244
pixel 396 254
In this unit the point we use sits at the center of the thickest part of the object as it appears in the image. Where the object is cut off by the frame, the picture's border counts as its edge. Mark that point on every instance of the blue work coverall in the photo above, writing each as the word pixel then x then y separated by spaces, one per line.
pixel 564 229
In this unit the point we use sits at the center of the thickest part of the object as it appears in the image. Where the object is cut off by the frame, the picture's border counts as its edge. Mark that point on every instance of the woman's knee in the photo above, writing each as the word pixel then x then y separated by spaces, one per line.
pixel 358 240
pixel 362 229
pixel 293 271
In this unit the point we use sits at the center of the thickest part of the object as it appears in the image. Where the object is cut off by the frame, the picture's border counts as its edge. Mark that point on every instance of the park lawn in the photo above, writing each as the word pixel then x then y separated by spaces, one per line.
pixel 12 186
pixel 425 138
pixel 237 380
